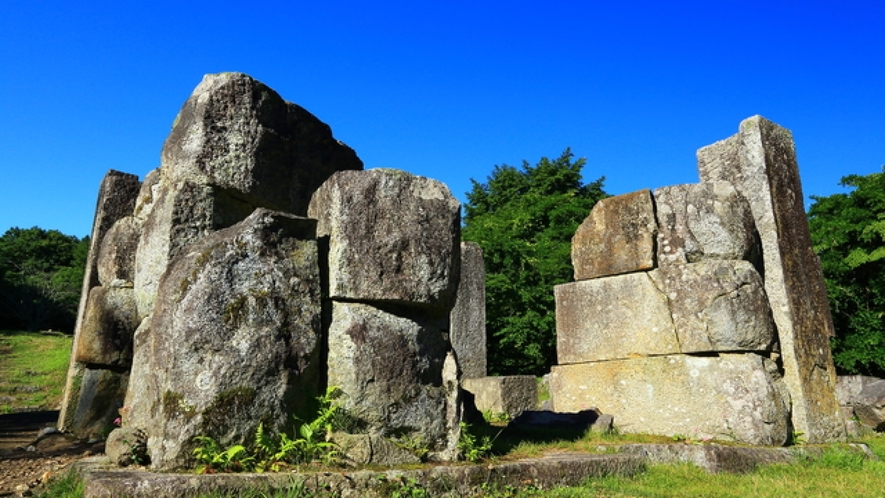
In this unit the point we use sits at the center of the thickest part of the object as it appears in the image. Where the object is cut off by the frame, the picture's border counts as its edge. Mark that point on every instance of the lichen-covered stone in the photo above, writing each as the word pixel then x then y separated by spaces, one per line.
pixel 738 397
pixel 617 237
pixel 468 317
pixel 389 368
pixel 609 318
pixel 760 161
pixel 108 326
pixel 703 221
pixel 717 306
pixel 393 238
pixel 233 340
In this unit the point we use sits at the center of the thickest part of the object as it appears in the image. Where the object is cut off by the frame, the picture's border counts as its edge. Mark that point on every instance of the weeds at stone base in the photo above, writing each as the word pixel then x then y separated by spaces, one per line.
pixel 275 453
pixel 68 485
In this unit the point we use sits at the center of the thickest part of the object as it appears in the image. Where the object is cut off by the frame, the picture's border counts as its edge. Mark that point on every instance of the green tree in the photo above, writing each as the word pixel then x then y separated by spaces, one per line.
pixel 41 273
pixel 848 233
pixel 524 220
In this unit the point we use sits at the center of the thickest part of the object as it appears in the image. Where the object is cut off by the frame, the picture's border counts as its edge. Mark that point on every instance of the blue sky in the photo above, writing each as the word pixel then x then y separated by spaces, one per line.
pixel 442 89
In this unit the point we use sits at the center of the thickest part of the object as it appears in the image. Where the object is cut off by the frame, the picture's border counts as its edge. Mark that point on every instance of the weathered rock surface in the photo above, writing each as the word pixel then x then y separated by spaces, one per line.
pixel 126 446
pixel 508 394
pixel 703 221
pixel 736 397
pixel 365 449
pixel 547 472
pixel 389 368
pixel 217 360
pixel 617 237
pixel 760 161
pixel 870 405
pixel 116 199
pixel 612 318
pixel 393 237
pixel 468 317
pixel 102 393
pixel 717 306
pixel 116 256
pixel 239 135
pixel 107 329
pixel 236 145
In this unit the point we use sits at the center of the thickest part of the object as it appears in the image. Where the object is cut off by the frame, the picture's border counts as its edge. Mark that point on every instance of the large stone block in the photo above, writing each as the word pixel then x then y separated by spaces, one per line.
pixel 108 326
pixel 617 237
pixel 510 394
pixel 233 340
pixel 389 368
pixel 760 160
pixel 612 317
pixel 737 397
pixel 393 237
pixel 703 221
pixel 116 199
pixel 717 306
pixel 468 317
pixel 237 134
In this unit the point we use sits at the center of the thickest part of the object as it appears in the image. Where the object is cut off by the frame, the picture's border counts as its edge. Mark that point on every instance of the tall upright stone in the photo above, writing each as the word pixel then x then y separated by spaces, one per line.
pixel 116 199
pixel 468 318
pixel 760 160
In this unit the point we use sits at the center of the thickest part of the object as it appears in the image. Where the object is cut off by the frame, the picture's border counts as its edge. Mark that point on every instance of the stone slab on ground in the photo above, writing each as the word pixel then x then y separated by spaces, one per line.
pixel 553 470
pixel 735 397
pixel 546 472
pixel 510 394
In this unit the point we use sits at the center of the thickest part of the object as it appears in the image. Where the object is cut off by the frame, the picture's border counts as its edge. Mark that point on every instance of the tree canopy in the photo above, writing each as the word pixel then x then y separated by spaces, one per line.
pixel 524 220
pixel 848 233
pixel 41 274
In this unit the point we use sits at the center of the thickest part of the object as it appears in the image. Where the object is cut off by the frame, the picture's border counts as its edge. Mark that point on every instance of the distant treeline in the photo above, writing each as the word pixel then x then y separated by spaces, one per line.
pixel 41 274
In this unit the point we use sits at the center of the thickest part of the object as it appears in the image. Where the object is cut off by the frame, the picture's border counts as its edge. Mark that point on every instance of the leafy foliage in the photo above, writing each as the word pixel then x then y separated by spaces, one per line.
pixel 473 447
pixel 524 220
pixel 41 274
pixel 848 233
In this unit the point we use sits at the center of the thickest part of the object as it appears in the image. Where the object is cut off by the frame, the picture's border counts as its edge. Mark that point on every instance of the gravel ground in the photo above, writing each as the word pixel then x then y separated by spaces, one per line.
pixel 30 454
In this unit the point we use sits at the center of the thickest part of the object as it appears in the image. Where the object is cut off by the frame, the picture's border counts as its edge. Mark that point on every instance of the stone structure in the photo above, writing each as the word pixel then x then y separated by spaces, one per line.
pixel 704 313
pixel 213 304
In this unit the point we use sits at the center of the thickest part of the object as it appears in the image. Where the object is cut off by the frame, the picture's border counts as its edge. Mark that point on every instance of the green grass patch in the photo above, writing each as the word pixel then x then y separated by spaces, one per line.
pixel 33 367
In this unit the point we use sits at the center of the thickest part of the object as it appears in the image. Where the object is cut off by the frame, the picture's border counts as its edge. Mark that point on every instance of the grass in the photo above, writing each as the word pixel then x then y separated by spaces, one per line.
pixel 33 367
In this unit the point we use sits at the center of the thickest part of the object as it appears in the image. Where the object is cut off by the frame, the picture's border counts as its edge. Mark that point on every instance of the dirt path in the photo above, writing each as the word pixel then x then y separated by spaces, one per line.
pixel 49 454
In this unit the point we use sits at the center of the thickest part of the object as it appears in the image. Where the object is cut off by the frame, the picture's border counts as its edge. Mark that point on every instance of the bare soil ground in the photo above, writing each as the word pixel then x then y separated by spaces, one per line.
pixel 27 458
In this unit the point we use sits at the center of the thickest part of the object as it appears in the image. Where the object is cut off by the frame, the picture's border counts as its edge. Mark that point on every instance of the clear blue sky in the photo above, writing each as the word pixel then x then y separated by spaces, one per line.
pixel 445 89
